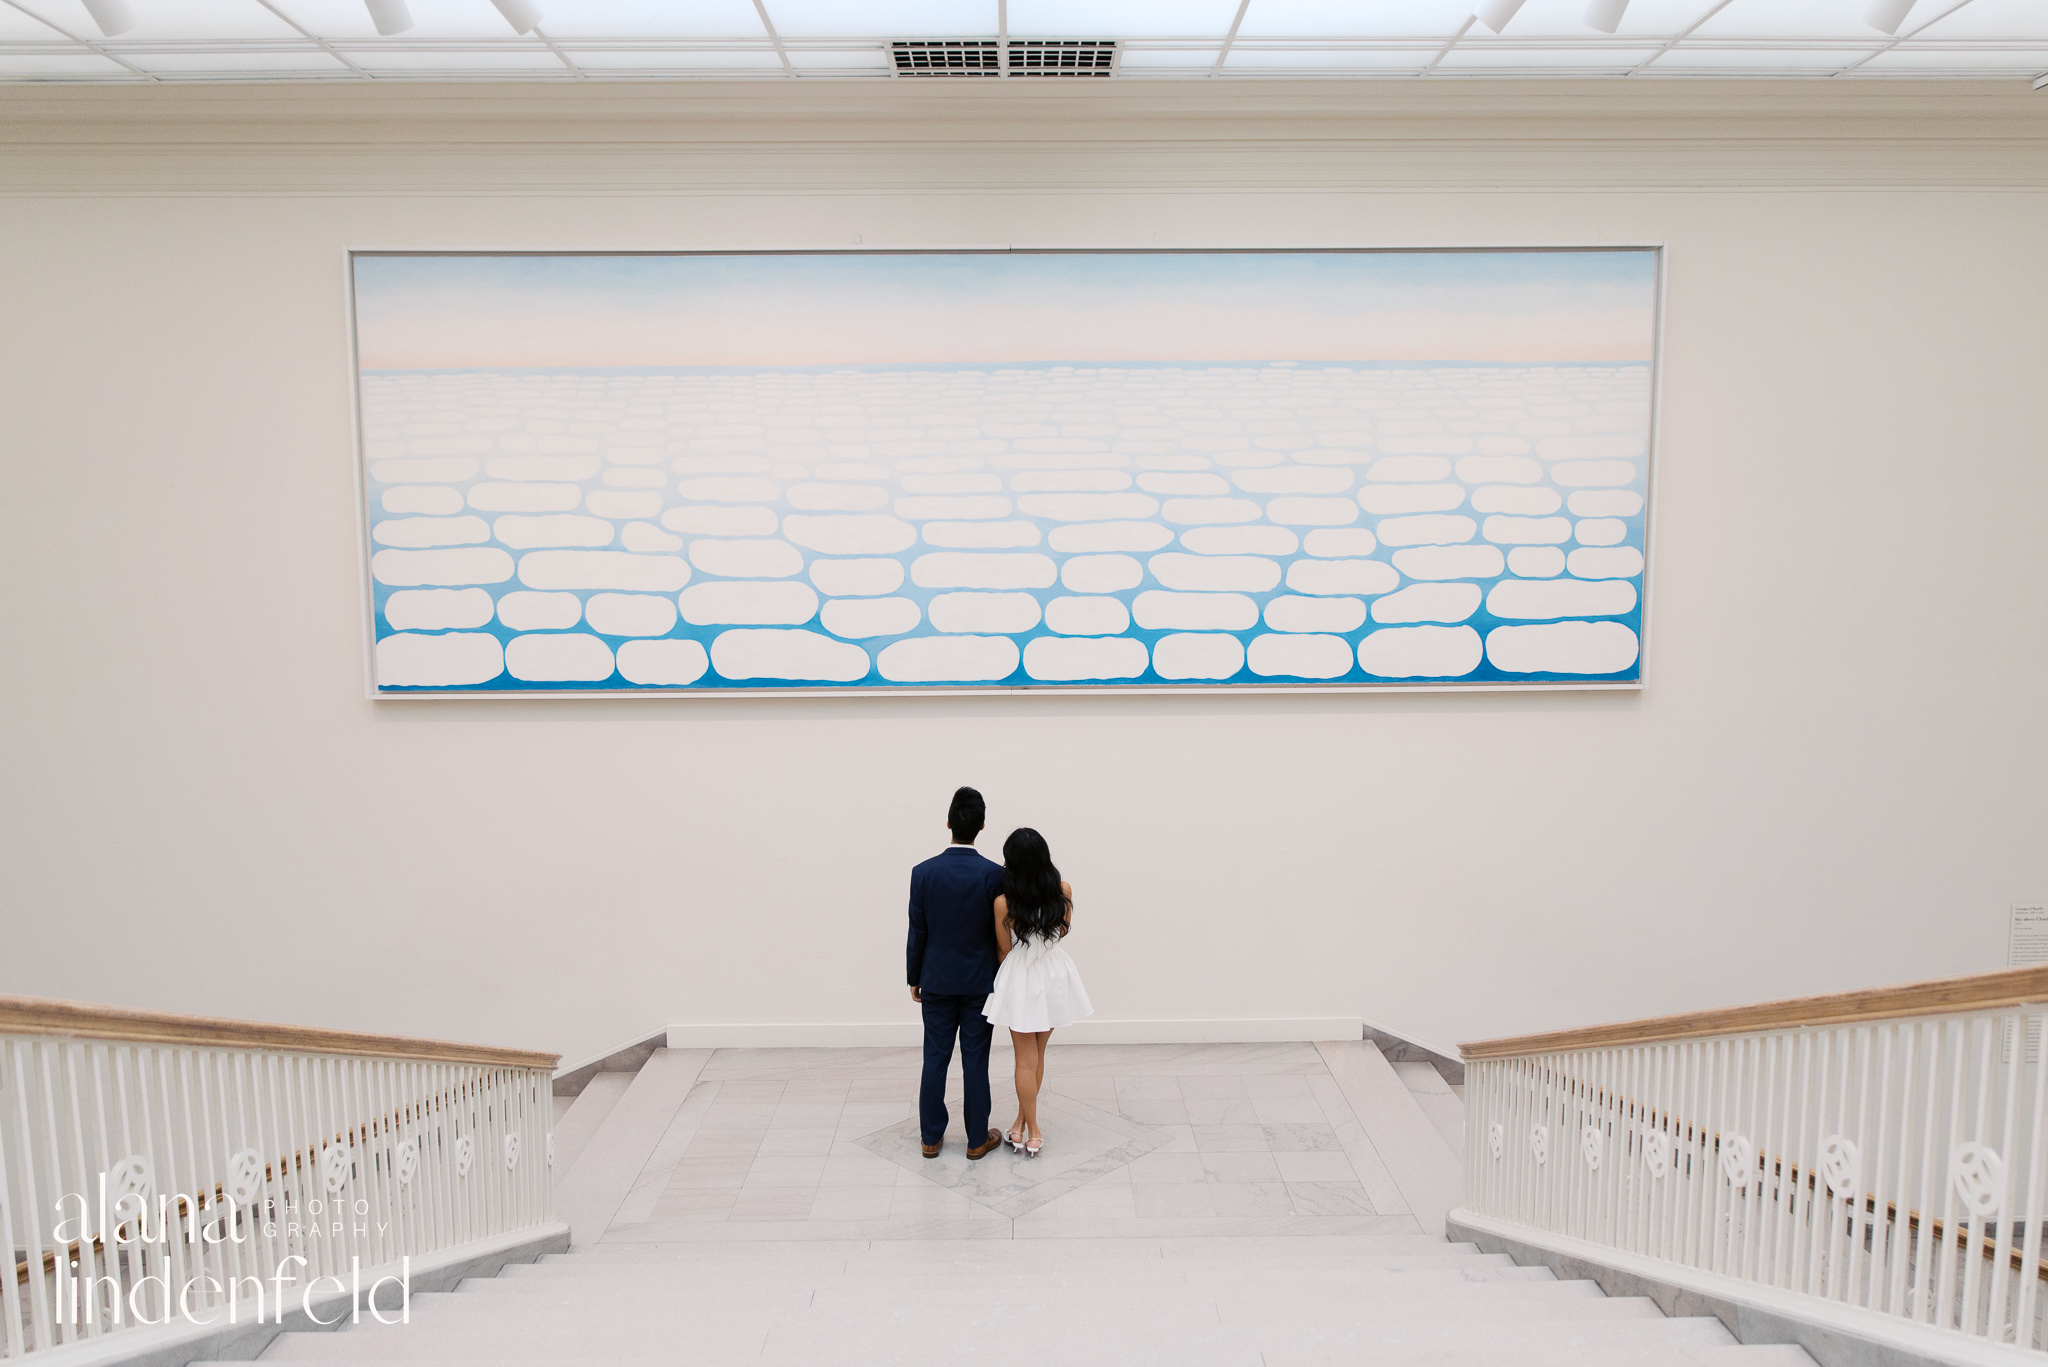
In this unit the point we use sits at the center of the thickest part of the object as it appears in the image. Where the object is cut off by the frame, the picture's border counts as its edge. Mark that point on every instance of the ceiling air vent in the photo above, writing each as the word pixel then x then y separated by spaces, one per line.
pixel 982 57
pixel 1062 56
pixel 946 58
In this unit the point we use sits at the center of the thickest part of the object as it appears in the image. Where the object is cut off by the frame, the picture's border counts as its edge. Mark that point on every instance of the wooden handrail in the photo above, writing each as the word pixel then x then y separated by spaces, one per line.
pixel 1943 996
pixel 81 1020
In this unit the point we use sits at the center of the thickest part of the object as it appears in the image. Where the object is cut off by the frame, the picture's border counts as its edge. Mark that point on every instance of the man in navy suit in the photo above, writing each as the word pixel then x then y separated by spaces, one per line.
pixel 952 961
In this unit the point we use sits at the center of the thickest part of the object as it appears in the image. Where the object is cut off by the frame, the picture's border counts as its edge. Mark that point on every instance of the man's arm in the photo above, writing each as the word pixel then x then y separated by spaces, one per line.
pixel 914 951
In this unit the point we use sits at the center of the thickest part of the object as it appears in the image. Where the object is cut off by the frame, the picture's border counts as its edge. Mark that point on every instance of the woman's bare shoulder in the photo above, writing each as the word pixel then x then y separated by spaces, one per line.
pixel 1067 889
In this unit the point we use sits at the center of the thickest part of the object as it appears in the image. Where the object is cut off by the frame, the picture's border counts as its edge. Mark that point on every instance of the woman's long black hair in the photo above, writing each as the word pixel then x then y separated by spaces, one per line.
pixel 1031 887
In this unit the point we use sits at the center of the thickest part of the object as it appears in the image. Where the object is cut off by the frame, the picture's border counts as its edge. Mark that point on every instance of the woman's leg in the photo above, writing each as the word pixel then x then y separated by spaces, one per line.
pixel 1036 1044
pixel 1027 1081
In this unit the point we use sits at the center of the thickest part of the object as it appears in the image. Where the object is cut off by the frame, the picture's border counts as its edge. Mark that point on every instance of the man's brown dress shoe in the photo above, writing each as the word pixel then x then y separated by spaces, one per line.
pixel 995 1137
pixel 932 1150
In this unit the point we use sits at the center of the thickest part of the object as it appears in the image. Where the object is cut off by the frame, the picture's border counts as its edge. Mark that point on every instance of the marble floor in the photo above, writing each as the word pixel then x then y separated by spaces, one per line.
pixel 1166 1141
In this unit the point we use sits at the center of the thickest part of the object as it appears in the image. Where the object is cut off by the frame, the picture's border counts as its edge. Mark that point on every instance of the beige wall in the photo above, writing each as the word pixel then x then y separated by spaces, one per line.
pixel 1834 778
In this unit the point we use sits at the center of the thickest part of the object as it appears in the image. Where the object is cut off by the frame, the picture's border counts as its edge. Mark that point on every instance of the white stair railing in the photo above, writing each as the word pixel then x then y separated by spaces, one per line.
pixel 159 1169
pixel 1880 1151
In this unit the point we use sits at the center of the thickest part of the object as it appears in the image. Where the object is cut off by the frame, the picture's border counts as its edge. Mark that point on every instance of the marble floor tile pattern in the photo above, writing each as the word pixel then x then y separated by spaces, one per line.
pixel 1166 1141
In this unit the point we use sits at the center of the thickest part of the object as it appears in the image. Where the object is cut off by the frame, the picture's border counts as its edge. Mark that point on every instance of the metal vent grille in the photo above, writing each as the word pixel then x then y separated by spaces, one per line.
pixel 983 57
pixel 935 58
pixel 1063 57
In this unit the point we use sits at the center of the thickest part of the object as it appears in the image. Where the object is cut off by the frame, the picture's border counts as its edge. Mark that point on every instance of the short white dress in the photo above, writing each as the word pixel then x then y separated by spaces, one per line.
pixel 1037 988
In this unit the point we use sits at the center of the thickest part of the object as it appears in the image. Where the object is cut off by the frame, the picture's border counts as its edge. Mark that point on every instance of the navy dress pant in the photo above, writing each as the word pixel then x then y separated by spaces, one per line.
pixel 947 1014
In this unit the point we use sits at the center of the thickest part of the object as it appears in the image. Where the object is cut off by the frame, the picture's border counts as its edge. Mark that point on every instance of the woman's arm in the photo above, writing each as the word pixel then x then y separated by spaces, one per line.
pixel 1002 929
pixel 1067 921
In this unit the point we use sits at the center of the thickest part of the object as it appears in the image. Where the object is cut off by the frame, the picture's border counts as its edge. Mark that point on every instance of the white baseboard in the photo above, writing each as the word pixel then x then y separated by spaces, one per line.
pixel 909 1033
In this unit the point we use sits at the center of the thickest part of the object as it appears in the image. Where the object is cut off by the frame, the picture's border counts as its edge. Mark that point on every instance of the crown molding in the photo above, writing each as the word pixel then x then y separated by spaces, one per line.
pixel 758 137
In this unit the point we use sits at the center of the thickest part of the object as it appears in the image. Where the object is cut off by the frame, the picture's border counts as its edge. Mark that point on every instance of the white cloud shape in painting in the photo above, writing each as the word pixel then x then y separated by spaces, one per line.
pixel 1110 536
pixel 1409 470
pixel 1428 603
pixel 983 612
pixel 1190 512
pixel 471 565
pixel 1585 503
pixel 861 617
pixel 1600 531
pixel 1605 562
pixel 525 498
pixel 1450 562
pixel 1434 445
pixel 542 467
pixel 662 663
pixel 949 659
pixel 645 536
pixel 1288 613
pixel 1087 616
pixel 1505 530
pixel 1394 499
pixel 527 611
pixel 1295 479
pixel 852 534
pixel 1158 610
pixel 1087 507
pixel 1499 470
pixel 859 469
pixel 558 657
pixel 1540 598
pixel 1065 481
pixel 1590 448
pixel 957 570
pixel 1420 652
pixel 437 609
pixel 1593 473
pixel 965 484
pixel 800 655
pixel 623 504
pixel 1563 648
pixel 1340 541
pixel 554 529
pixel 837 498
pixel 468 444
pixel 1172 484
pixel 980 535
pixel 430 531
pixel 1429 529
pixel 1101 573
pixel 955 507
pixel 1301 657
pixel 1197 655
pixel 1536 562
pixel 431 499
pixel 1067 659
pixel 729 489
pixel 465 657
pixel 1312 512
pixel 630 614
pixel 857 577
pixel 1211 573
pixel 603 570
pixel 720 521
pixel 738 603
pixel 1240 540
pixel 1329 577
pixel 749 559
pixel 1520 502
pixel 446 470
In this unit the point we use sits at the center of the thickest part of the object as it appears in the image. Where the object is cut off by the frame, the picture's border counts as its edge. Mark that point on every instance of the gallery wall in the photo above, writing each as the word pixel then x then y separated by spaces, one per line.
pixel 1833 778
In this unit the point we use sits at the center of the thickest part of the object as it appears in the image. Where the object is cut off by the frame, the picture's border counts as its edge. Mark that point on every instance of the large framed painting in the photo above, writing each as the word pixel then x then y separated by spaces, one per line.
pixel 830 472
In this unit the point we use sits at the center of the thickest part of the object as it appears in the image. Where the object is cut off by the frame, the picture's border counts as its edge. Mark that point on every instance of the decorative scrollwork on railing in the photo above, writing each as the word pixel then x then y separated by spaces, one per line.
pixel 1738 1161
pixel 1592 1143
pixel 1978 1175
pixel 1496 1140
pixel 511 1152
pixel 1539 1143
pixel 1841 1166
pixel 465 1155
pixel 1657 1154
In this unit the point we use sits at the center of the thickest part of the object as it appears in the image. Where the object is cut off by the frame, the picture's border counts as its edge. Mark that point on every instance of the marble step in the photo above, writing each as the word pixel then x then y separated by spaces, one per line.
pixel 883 1287
pixel 1023 1259
pixel 1318 1247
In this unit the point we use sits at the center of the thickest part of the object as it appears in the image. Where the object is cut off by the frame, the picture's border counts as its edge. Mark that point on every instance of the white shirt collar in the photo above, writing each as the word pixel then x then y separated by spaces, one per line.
pixel 956 845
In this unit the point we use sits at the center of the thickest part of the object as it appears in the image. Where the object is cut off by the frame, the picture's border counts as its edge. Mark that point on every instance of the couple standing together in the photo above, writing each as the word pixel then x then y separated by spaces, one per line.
pixel 985 951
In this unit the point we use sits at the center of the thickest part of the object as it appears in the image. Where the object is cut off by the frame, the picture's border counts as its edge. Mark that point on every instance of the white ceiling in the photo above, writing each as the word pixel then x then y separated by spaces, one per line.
pixel 297 40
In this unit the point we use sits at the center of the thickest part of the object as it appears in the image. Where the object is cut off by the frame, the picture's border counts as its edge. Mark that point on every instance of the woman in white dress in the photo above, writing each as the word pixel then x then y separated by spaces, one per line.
pixel 1037 988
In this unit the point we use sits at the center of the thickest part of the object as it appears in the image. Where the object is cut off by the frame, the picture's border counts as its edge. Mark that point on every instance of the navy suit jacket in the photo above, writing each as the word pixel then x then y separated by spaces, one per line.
pixel 952 922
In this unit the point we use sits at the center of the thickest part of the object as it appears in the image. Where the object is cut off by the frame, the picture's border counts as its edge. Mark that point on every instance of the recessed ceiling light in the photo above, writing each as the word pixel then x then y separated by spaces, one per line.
pixel 390 16
pixel 112 16
pixel 523 15
pixel 1496 13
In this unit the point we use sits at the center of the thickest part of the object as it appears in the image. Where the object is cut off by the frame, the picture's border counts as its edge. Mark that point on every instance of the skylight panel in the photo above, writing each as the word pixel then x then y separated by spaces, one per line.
pixel 1306 60
pixel 1983 19
pixel 1122 18
pixel 736 61
pixel 1990 60
pixel 652 19
pixel 1169 61
pixel 16 27
pixel 883 18
pixel 158 20
pixel 470 61
pixel 1731 59
pixel 1803 19
pixel 1550 60
pixel 1350 19
pixel 431 18
pixel 840 61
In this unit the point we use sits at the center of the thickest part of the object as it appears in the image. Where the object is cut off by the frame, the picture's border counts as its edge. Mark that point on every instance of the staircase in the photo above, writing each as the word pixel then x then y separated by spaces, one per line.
pixel 1080 1278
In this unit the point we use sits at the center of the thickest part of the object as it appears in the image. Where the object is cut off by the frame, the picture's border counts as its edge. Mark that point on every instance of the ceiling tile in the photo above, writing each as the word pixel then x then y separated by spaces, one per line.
pixel 1724 59
pixel 1659 19
pixel 1983 19
pixel 1909 57
pixel 170 19
pixel 828 60
pixel 1139 59
pixel 1500 57
pixel 309 61
pixel 511 58
pixel 1798 19
pixel 652 19
pixel 1350 19
pixel 1122 18
pixel 736 60
pixel 1301 61
pixel 431 18
pixel 883 18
